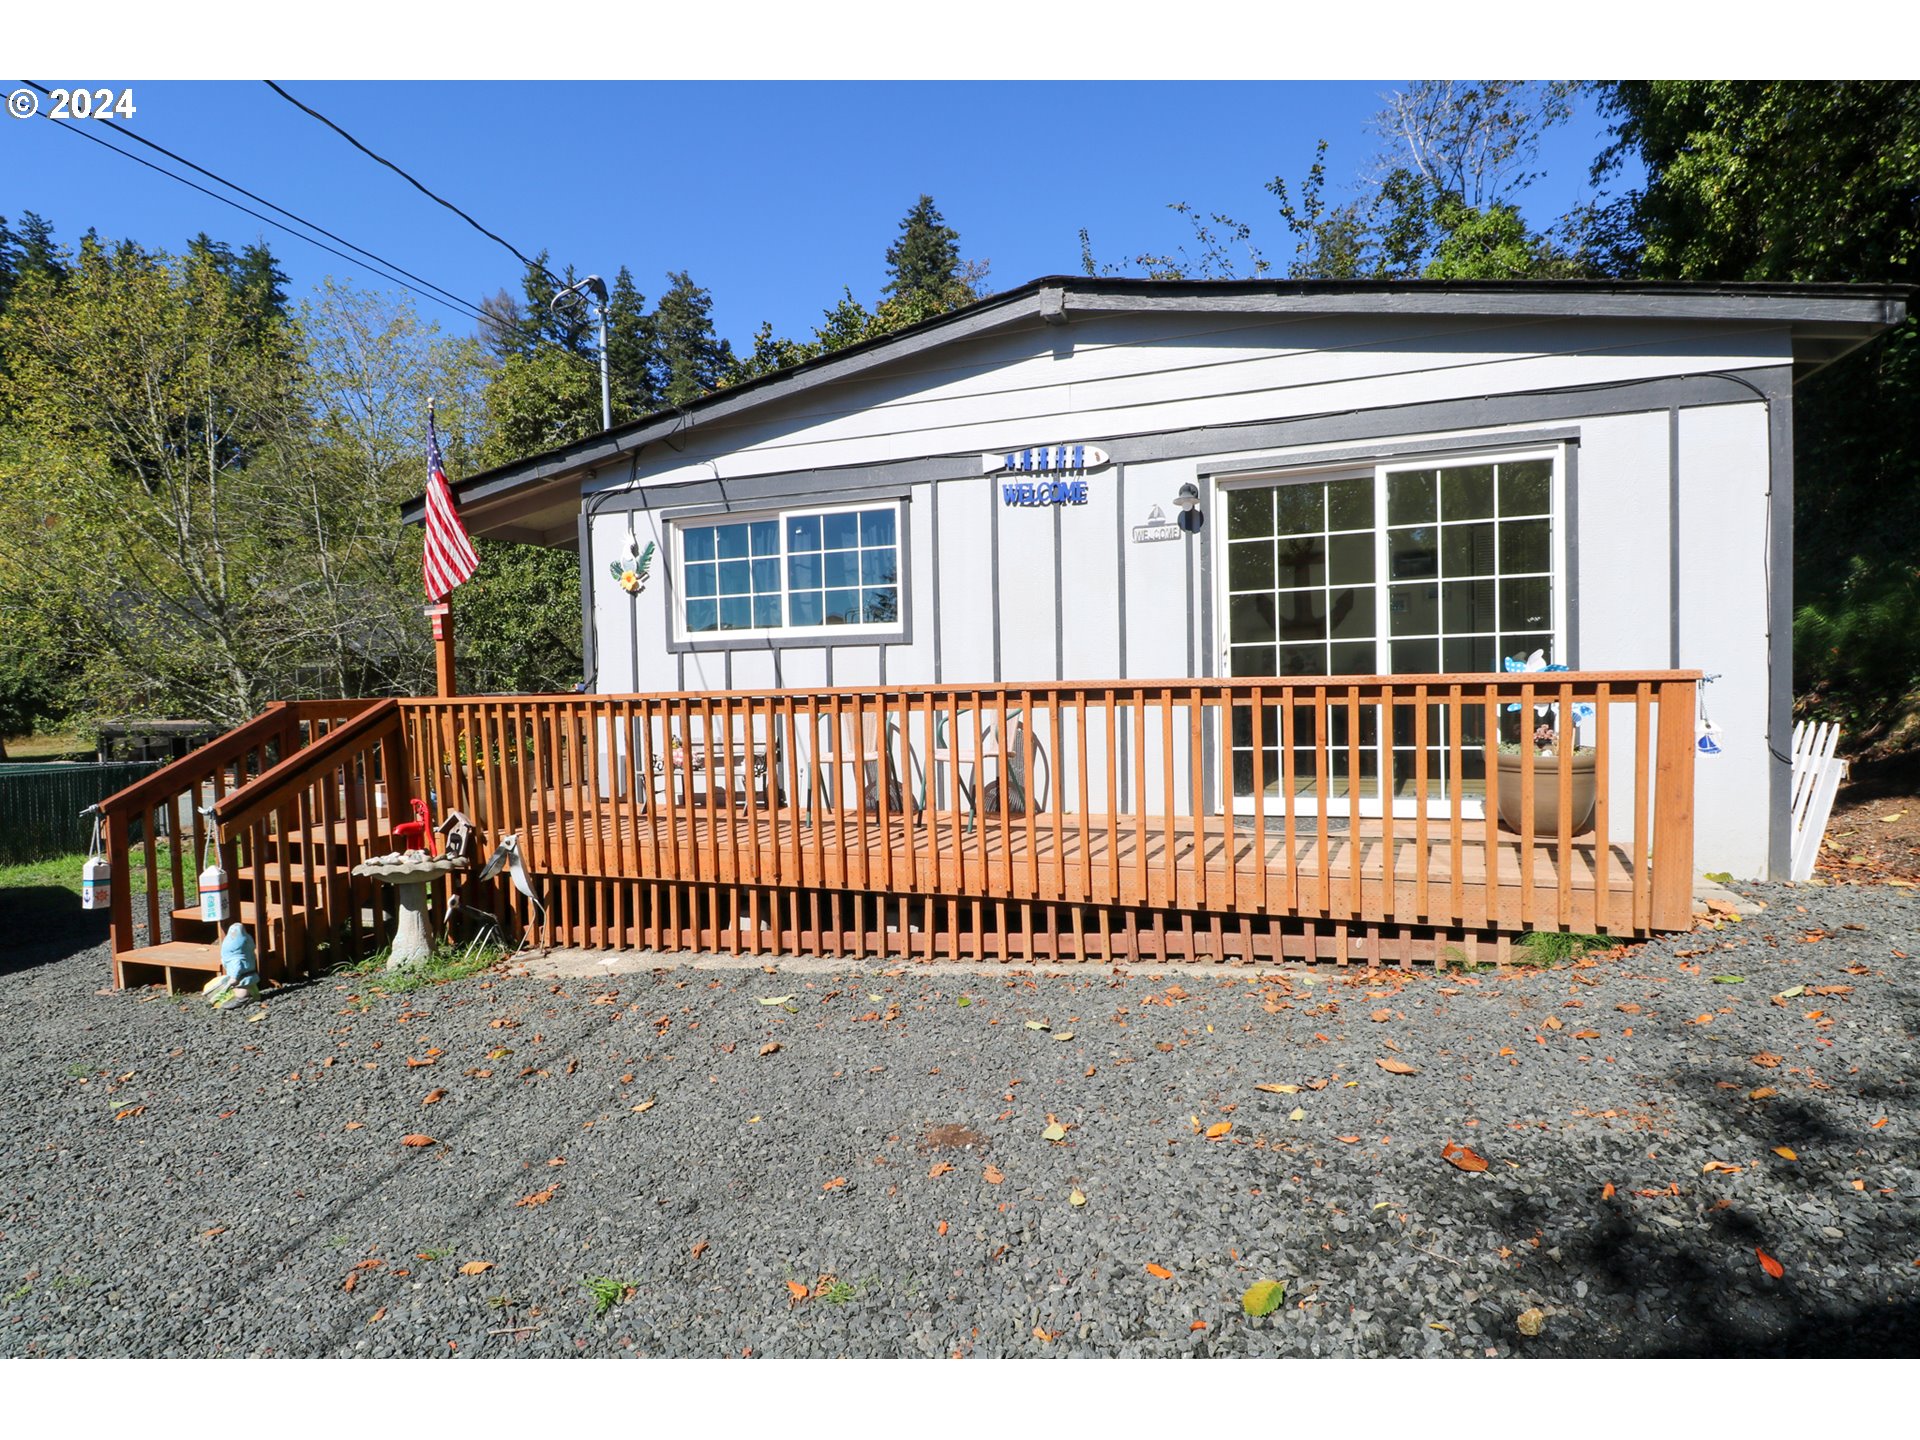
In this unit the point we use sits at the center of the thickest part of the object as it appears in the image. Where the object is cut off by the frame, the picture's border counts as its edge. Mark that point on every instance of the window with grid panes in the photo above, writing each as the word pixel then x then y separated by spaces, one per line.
pixel 1404 569
pixel 798 570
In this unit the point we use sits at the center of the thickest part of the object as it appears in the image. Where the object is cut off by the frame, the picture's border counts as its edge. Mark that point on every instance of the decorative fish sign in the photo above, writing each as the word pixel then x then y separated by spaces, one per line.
pixel 1044 460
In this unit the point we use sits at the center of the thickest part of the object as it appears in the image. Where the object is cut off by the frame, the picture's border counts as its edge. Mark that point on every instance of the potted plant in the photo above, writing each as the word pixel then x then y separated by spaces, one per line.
pixel 1552 753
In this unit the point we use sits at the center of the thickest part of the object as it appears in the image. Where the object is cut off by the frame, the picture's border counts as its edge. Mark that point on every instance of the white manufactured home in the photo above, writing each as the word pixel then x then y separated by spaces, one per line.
pixel 1097 484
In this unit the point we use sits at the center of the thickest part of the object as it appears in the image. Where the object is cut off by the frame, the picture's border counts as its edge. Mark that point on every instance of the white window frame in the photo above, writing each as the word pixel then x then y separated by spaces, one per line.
pixel 721 639
pixel 1386 463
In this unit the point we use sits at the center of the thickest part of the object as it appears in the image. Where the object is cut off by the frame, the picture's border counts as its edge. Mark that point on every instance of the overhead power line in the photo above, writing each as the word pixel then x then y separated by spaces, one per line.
pixel 437 199
pixel 448 295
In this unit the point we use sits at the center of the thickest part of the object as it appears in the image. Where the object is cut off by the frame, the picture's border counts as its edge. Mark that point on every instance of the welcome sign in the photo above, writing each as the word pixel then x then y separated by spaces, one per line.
pixel 1052 464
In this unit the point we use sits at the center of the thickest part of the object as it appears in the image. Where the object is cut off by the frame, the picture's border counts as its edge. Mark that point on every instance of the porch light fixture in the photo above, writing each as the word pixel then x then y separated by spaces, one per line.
pixel 1187 498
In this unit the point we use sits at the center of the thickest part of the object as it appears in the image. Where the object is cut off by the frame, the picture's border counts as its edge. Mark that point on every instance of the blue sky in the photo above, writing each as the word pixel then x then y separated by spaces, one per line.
pixel 772 194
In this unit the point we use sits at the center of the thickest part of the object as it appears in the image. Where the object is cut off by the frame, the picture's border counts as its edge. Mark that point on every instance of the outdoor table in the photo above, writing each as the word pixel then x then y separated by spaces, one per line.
pixel 409 875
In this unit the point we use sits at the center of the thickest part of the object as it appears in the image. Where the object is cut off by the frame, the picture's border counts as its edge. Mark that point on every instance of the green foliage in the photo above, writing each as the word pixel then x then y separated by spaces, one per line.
pixel 446 963
pixel 518 628
pixel 1555 947
pixel 63 872
pixel 1814 181
pixel 689 359
pixel 925 260
pixel 606 1292
pixel 535 402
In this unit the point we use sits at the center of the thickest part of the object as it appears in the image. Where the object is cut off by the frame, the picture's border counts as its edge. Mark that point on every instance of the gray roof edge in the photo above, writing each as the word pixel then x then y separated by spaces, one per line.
pixel 1872 307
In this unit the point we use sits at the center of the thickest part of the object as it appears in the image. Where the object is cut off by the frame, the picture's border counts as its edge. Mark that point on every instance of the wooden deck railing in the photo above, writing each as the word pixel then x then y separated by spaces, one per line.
pixel 170 801
pixel 1361 801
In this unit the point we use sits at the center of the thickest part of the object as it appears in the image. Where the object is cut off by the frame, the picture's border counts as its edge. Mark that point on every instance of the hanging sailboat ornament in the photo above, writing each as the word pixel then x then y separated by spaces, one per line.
pixel 631 569
pixel 1706 734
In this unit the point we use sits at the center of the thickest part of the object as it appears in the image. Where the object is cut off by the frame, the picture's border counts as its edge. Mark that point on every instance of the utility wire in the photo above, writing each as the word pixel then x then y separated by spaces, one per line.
pixel 277 209
pixel 439 200
pixel 461 308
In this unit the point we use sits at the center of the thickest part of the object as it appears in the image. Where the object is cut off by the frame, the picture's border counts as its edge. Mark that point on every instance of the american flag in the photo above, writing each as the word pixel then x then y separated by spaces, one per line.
pixel 448 559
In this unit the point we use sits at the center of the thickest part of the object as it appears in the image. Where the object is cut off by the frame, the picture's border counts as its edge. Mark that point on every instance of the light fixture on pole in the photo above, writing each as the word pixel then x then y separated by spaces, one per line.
pixel 594 286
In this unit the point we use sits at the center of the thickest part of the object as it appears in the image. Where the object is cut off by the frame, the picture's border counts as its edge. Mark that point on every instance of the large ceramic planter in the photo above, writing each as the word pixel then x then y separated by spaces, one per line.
pixel 1546 794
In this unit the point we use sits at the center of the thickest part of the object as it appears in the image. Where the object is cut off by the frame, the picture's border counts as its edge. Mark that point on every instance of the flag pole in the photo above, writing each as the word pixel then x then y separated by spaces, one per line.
pixel 441 614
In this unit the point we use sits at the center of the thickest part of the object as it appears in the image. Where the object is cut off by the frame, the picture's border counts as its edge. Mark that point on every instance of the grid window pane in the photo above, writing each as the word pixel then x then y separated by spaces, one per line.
pixel 1524 547
pixel 1298 509
pixel 1526 487
pixel 1302 614
pixel 1249 513
pixel 1302 561
pixel 1250 565
pixel 1413 554
pixel 1410 497
pixel 832 568
pixel 1350 559
pixel 1350 505
pixel 1466 550
pixel 1350 613
pixel 1252 618
pixel 1466 493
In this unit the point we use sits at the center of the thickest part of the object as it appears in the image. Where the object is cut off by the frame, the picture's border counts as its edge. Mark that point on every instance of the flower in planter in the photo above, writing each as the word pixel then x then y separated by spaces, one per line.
pixel 631 570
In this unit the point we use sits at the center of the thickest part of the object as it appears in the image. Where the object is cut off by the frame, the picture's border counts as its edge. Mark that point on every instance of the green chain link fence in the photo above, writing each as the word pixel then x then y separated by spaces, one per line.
pixel 40 806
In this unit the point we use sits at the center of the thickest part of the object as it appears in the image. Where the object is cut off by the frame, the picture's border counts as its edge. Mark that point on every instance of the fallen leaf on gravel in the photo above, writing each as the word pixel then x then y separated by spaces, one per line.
pixel 1075 1198
pixel 353 1125
pixel 994 1175
pixel 130 1112
pixel 963 1002
pixel 377 1316
pixel 1046 1337
pixel 1606 1191
pixel 1767 1263
pixel 216 1230
pixel 1705 1019
pixel 1729 979
pixel 1858 1184
pixel 771 1047
pixel 1765 1060
pixel 1055 1132
pixel 1396 1067
pixel 943 1227
pixel 1197 1325
pixel 1348 1139
pixel 1215 1131
pixel 645 1105
pixel 556 1162
pixel 698 1250
pixel 797 1290
pixel 1159 1272
pixel 353 1279
pixel 1380 1015
pixel 1463 1157
pixel 1530 1322
pixel 1063 1035
pixel 940 1167
pixel 1298 1114
pixel 539 1197
pixel 413 1064
pixel 1553 1022
pixel 1038 1025
pixel 1785 1152
pixel 434 1097
pixel 1764 1092
pixel 1720 1167
pixel 776 999
pixel 1889 819
pixel 476 1267
pixel 416 1141
pixel 838 1182
pixel 1875 1126
pixel 1586 1034
pixel 1628 1009
pixel 1263 1297
pixel 1279 1089
pixel 1506 1050
pixel 1316 1084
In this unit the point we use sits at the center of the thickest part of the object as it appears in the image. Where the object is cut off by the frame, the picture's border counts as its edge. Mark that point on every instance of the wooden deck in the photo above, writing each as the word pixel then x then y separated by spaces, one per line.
pixel 1107 860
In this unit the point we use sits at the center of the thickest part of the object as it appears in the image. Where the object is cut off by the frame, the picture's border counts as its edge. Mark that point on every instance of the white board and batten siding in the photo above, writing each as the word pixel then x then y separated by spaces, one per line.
pixel 1077 597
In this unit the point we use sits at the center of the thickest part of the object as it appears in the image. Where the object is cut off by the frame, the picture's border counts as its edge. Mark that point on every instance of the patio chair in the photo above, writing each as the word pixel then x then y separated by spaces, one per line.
pixel 858 751
pixel 957 743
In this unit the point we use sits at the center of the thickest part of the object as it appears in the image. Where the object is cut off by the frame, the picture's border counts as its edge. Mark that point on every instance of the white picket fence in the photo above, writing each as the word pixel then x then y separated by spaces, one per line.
pixel 1817 772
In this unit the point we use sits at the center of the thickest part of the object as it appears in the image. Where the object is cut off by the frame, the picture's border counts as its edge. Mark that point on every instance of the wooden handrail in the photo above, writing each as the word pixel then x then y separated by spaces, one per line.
pixel 181 775
pixel 237 810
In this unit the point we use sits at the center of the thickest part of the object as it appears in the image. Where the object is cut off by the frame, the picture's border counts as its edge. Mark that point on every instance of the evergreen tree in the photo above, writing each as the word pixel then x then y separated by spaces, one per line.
pixel 689 360
pixel 629 350
pixel 925 260
pixel 568 326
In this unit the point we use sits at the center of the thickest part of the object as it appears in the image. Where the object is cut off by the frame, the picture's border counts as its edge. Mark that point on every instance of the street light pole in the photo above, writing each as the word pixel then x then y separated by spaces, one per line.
pixel 597 288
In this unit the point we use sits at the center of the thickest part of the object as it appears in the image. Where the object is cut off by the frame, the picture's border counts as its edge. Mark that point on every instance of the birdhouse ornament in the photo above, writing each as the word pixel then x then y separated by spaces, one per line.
pixel 96 875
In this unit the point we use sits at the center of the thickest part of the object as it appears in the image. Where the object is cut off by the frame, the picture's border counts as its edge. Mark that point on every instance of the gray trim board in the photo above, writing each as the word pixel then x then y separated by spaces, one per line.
pixel 589 658
pixel 1462 445
pixel 1861 310
pixel 1780 624
pixel 933 577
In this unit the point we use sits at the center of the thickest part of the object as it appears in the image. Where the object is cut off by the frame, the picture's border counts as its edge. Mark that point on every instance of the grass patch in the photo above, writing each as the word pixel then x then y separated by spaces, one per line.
pixel 436 1254
pixel 63 872
pixel 1556 947
pixel 446 963
pixel 606 1291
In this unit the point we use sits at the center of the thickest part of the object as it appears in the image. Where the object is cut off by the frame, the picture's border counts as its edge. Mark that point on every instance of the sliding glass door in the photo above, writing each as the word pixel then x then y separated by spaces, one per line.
pixel 1397 569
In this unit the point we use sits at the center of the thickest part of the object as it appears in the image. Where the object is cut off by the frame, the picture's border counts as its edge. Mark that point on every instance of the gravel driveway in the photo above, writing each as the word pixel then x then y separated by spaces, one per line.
pixel 865 1169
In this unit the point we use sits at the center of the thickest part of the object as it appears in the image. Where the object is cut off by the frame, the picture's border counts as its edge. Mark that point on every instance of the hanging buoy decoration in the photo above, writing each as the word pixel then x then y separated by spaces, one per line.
pixel 96 875
pixel 213 884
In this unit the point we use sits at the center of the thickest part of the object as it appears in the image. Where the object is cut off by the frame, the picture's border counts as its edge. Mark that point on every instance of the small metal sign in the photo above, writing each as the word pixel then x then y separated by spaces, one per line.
pixel 1044 460
pixel 1158 527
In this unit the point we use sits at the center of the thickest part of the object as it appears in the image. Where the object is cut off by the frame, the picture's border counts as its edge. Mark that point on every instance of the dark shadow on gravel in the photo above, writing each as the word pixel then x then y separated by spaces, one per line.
pixel 40 924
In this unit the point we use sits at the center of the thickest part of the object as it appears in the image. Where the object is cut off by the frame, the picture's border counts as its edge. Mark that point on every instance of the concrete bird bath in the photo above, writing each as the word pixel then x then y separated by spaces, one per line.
pixel 409 875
